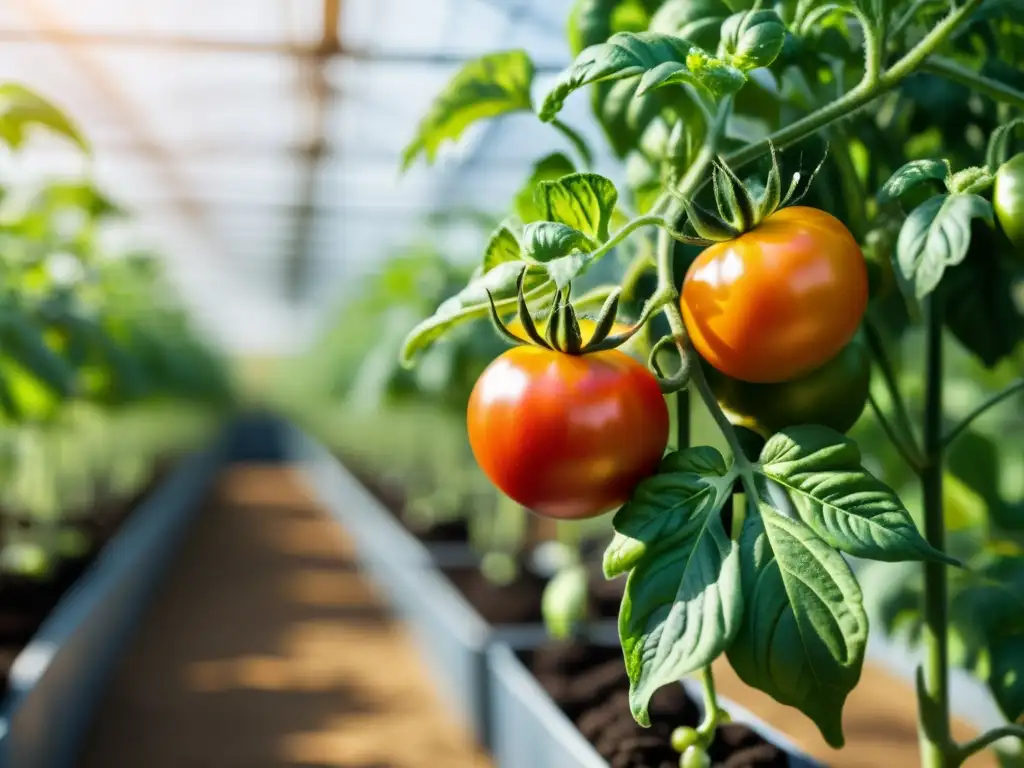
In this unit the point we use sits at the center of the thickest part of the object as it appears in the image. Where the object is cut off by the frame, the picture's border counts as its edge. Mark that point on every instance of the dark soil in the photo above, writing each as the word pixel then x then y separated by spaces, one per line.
pixel 590 684
pixel 520 601
pixel 392 496
pixel 515 603
pixel 25 603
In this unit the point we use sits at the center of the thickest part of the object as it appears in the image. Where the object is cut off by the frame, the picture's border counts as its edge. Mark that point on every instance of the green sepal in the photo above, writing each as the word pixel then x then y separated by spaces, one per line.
pixel 707 225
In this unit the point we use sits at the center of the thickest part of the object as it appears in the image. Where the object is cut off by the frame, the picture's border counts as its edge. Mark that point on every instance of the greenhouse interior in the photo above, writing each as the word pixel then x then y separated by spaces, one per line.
pixel 512 383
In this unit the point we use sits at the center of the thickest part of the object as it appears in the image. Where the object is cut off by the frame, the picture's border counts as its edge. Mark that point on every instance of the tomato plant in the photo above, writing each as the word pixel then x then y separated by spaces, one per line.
pixel 706 104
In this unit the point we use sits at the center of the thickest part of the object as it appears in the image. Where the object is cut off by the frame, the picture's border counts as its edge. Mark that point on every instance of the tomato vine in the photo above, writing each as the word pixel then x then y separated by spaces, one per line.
pixel 808 499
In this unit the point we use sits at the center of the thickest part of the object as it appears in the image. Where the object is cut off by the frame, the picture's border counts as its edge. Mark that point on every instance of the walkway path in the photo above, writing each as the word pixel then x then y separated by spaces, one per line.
pixel 267 650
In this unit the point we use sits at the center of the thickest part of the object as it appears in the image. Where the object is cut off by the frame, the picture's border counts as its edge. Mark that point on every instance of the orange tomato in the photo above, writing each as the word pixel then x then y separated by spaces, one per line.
pixel 778 301
pixel 567 436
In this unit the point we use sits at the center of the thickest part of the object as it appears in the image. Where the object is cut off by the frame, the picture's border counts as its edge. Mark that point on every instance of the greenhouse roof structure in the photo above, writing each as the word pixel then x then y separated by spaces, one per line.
pixel 258 142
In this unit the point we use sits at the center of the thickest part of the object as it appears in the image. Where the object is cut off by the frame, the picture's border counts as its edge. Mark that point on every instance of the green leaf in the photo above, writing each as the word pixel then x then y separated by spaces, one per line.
pixel 820 470
pixel 999 144
pixel 912 175
pixel 564 270
pixel 24 342
pixel 937 235
pixel 623 115
pixel 502 247
pixel 1006 676
pixel 564 603
pixel 8 402
pixel 696 20
pixel 752 39
pixel 471 303
pixel 804 631
pixel 629 54
pixel 82 195
pixel 550 168
pixel 546 241
pixel 494 84
pixel 21 108
pixel 700 69
pixel 683 602
pixel 685 480
pixel 590 22
pixel 594 21
pixel 980 306
pixel 583 201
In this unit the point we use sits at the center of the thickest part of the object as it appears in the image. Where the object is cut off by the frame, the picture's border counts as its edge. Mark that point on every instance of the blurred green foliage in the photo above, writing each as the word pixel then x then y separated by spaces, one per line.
pixel 102 375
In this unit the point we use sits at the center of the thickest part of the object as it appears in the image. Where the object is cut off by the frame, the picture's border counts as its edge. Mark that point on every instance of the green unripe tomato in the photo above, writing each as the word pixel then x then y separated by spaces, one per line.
pixel 833 395
pixel 683 738
pixel 1008 199
pixel 694 757
pixel 564 602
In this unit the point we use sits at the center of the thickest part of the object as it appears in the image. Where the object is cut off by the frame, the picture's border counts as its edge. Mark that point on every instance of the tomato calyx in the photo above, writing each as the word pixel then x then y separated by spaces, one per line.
pixel 740 208
pixel 563 332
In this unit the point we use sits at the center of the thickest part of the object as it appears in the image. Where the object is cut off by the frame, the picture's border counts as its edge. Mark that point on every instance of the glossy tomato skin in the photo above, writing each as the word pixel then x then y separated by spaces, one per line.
pixel 778 301
pixel 1008 200
pixel 833 395
pixel 567 436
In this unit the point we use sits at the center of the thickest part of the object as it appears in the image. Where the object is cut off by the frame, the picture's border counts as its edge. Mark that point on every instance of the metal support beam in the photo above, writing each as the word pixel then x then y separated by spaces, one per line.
pixel 179 43
pixel 297 261
pixel 129 115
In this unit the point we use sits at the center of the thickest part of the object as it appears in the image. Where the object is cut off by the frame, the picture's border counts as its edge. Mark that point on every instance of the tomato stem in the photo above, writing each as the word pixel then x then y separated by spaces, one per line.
pixel 957 73
pixel 987 739
pixel 682 419
pixel 874 49
pixel 905 439
pixel 894 437
pixel 907 17
pixel 857 98
pixel 935 738
pixel 667 290
pixel 712 711
pixel 741 463
pixel 995 399
pixel 577 142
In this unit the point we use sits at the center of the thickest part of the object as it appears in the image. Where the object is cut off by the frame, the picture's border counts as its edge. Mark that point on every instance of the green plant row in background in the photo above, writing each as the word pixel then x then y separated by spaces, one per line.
pixel 102 375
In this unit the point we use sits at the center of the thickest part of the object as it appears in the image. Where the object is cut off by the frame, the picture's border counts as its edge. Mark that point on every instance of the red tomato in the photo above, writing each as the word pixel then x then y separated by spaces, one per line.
pixel 567 436
pixel 778 301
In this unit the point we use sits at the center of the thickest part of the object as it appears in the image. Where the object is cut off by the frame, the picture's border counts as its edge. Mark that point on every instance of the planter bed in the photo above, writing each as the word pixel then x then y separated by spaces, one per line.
pixel 455 633
pixel 470 631
pixel 479 637
pixel 565 705
pixel 453 611
pixel 74 629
